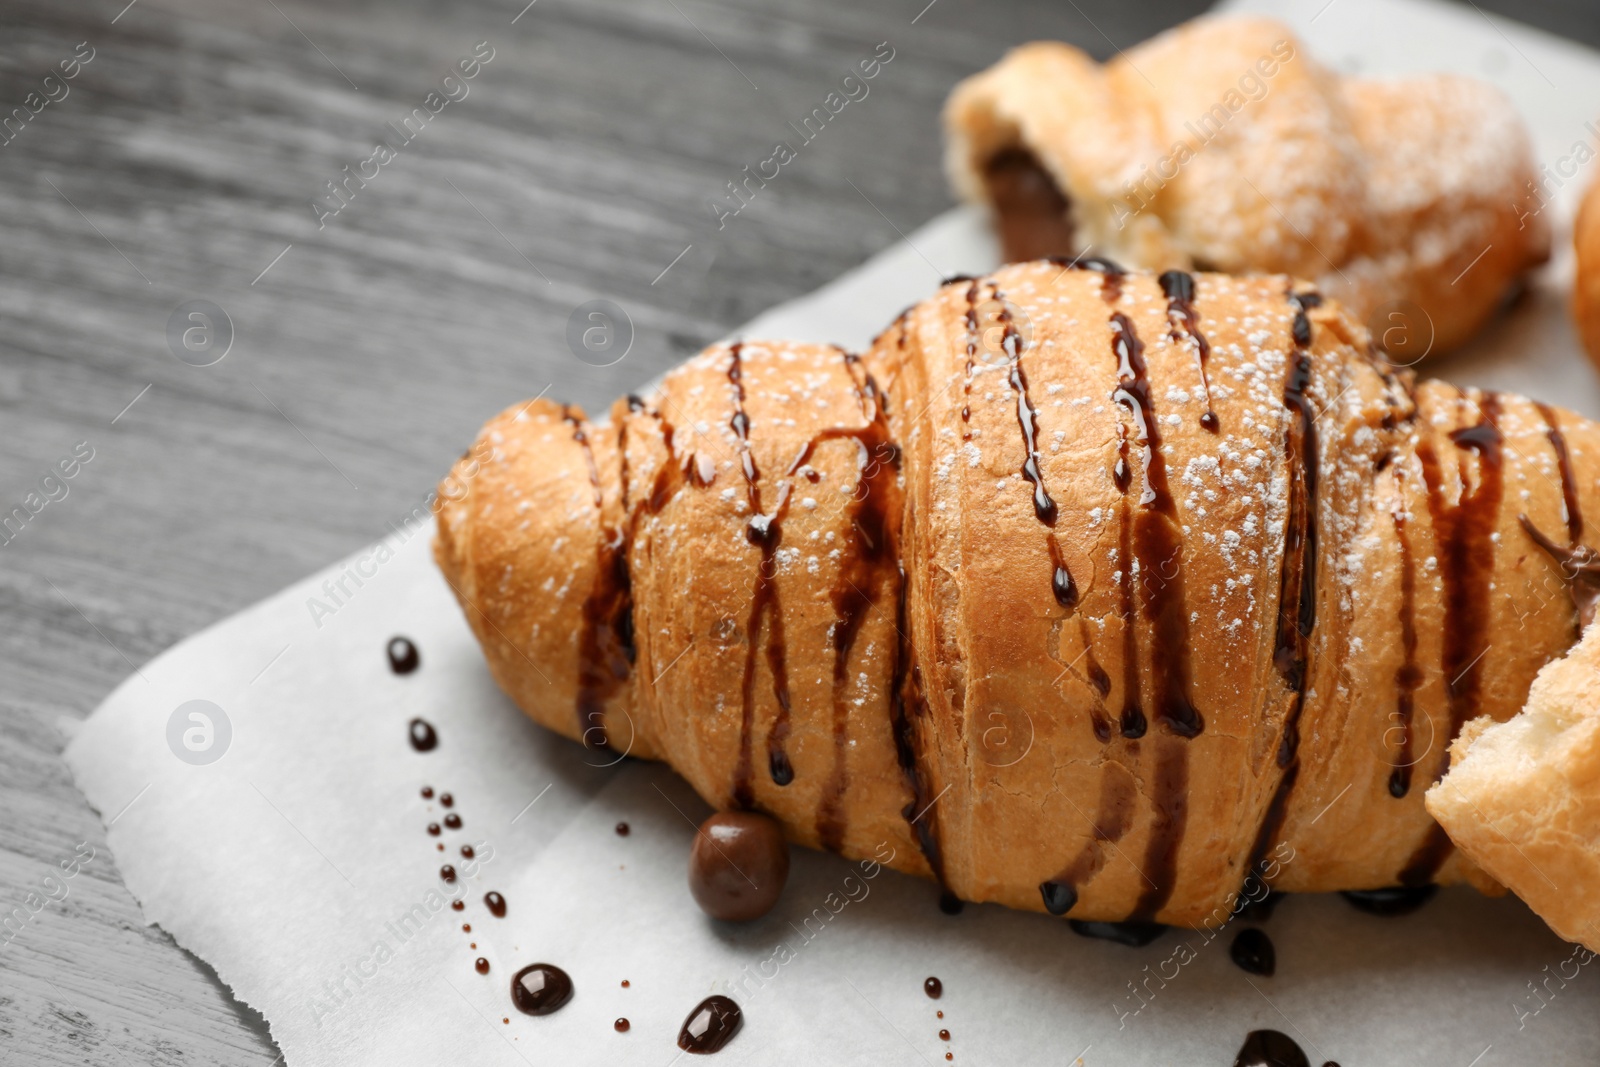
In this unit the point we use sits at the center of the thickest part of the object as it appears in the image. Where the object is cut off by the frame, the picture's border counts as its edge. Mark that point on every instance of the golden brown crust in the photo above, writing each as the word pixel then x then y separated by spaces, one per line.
pixel 1586 289
pixel 1160 653
pixel 1223 144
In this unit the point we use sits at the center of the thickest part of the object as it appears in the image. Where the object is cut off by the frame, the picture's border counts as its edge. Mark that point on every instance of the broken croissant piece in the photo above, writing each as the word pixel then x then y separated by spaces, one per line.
pixel 1223 145
pixel 1080 591
pixel 1522 799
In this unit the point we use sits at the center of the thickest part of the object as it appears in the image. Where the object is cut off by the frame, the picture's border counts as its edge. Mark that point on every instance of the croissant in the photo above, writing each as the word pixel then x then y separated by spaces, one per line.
pixel 1083 591
pixel 1586 288
pixel 1223 145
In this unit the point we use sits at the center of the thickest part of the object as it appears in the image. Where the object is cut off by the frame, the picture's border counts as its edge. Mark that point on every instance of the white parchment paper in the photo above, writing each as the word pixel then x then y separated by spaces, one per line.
pixel 297 863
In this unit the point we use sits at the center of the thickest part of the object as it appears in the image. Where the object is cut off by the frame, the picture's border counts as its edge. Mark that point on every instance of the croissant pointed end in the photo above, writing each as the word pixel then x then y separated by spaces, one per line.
pixel 528 540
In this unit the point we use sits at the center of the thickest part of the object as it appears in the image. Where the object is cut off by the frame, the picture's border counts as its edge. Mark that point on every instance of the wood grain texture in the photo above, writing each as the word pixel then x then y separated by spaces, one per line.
pixel 184 159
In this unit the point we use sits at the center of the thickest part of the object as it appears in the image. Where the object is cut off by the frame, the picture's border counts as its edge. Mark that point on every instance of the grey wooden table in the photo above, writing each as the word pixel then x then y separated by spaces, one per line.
pixel 182 162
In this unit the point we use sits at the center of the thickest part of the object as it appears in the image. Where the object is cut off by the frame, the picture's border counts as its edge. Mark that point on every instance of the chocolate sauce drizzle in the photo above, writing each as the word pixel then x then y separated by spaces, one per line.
pixel 1571 513
pixel 1408 676
pixel 1153 541
pixel 1113 818
pixel 1062 587
pixel 1466 563
pixel 1297 582
pixel 1179 289
pixel 971 321
pixel 765 532
pixel 605 643
pixel 864 576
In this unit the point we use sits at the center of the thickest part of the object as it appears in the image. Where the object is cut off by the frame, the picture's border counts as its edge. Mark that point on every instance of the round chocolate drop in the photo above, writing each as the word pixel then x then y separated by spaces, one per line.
pixel 738 865
pixel 540 988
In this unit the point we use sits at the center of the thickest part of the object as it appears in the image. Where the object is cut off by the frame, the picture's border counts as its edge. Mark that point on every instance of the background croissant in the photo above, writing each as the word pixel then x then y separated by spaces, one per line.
pixel 1084 590
pixel 1223 144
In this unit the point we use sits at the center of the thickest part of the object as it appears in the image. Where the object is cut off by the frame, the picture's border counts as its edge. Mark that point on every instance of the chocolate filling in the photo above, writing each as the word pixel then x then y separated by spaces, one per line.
pixel 1031 211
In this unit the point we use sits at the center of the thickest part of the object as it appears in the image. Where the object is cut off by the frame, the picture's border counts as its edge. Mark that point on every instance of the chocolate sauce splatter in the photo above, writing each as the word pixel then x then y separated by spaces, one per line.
pixel 423 736
pixel 933 987
pixel 1132 934
pixel 403 658
pixel 1269 1048
pixel 1396 900
pixel 481 965
pixel 710 1026
pixel 495 903
pixel 1252 950
pixel 540 989
pixel 621 1026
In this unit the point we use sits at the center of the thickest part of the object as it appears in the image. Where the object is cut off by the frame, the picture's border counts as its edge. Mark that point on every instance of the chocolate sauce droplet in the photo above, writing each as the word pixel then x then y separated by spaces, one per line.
pixel 433 829
pixel 710 1026
pixel 423 736
pixel 950 904
pixel 440 846
pixel 482 965
pixel 624 983
pixel 458 905
pixel 497 905
pixel 1269 1048
pixel 1132 934
pixel 1392 901
pixel 738 865
pixel 620 1026
pixel 467 851
pixel 448 873
pixel 453 821
pixel 403 658
pixel 540 988
pixel 447 800
pixel 466 928
pixel 1252 950
pixel 427 792
pixel 944 1035
pixel 622 829
pixel 1059 897
pixel 935 989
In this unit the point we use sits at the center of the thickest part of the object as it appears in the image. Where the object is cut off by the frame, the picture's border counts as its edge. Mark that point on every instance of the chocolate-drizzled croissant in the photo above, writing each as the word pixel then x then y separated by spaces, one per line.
pixel 1083 591
pixel 1224 143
